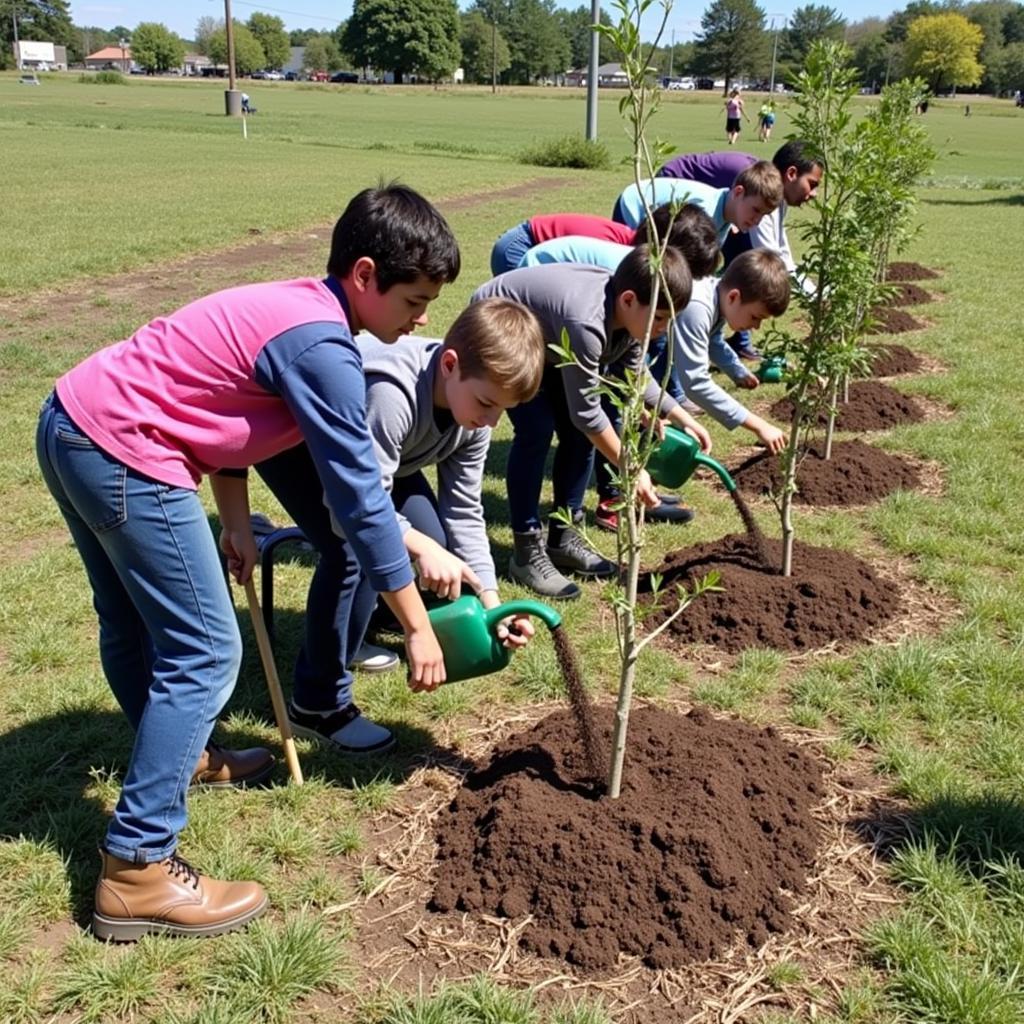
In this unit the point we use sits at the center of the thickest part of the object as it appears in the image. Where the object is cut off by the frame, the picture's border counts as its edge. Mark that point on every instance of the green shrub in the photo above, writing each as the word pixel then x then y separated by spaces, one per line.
pixel 568 151
pixel 104 78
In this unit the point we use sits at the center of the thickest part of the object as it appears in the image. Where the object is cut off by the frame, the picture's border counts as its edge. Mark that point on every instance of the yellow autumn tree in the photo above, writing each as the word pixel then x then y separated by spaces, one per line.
pixel 943 50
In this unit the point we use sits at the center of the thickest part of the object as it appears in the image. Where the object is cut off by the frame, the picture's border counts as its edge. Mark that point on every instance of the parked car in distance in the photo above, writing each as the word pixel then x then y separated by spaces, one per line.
pixel 274 76
pixel 681 83
pixel 345 76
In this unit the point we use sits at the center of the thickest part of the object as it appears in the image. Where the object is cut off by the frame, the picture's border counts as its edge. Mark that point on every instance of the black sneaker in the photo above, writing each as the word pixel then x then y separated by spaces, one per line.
pixel 663 513
pixel 573 554
pixel 345 730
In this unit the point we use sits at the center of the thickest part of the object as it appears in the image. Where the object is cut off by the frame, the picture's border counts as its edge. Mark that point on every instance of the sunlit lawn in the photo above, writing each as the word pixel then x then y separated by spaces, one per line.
pixel 102 179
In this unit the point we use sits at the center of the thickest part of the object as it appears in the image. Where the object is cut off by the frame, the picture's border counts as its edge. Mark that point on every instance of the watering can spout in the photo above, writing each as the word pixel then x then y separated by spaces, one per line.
pixel 717 467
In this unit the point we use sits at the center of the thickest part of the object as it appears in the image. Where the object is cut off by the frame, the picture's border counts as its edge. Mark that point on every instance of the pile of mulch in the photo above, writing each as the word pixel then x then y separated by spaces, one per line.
pixel 831 596
pixel 857 474
pixel 893 360
pixel 907 294
pixel 892 321
pixel 710 836
pixel 909 272
pixel 871 406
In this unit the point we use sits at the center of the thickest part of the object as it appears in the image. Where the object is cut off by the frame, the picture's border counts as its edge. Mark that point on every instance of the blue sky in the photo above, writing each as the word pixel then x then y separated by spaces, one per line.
pixel 182 16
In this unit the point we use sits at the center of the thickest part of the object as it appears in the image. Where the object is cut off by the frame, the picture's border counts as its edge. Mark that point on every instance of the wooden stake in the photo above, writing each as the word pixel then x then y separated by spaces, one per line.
pixel 273 682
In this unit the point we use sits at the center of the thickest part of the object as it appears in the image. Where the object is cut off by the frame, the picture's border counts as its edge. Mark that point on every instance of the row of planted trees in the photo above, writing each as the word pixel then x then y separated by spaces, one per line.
pixel 864 215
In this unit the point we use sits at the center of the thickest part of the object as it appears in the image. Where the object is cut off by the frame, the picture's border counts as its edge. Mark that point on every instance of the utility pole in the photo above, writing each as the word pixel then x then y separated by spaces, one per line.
pixel 672 55
pixel 775 48
pixel 17 45
pixel 494 53
pixel 232 97
pixel 595 20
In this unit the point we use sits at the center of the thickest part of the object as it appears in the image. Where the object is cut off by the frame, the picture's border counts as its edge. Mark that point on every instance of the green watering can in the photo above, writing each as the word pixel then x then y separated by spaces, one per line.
pixel 673 462
pixel 771 369
pixel 467 633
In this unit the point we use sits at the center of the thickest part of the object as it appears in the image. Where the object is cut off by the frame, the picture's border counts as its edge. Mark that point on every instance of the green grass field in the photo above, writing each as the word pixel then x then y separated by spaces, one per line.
pixel 121 202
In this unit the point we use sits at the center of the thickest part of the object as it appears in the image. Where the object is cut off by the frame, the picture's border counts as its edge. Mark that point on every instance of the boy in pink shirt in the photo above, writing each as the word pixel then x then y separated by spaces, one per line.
pixel 123 443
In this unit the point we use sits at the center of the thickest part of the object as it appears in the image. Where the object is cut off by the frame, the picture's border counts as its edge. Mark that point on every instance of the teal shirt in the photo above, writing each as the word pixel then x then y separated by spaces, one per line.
pixel 659 191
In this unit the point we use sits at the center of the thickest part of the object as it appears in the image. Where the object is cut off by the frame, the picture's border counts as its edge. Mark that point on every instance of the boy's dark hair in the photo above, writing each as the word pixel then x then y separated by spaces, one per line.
pixel 400 231
pixel 633 274
pixel 760 276
pixel 796 153
pixel 502 341
pixel 691 231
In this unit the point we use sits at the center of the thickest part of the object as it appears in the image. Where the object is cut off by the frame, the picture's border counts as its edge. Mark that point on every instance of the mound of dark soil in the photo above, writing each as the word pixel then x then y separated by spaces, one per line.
pixel 857 474
pixel 711 834
pixel 909 272
pixel 832 595
pixel 909 295
pixel 893 321
pixel 892 360
pixel 872 406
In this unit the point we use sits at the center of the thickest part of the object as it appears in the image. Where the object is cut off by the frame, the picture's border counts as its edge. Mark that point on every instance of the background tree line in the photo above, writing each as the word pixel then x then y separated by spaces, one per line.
pixel 976 45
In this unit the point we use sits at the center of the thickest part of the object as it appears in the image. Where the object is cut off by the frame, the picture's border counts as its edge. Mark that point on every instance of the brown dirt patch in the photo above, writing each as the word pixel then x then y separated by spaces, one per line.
pixel 871 406
pixel 893 321
pixel 168 285
pixel 831 596
pixel 893 360
pixel 857 474
pixel 711 837
pixel 910 272
pixel 908 294
pixel 415 950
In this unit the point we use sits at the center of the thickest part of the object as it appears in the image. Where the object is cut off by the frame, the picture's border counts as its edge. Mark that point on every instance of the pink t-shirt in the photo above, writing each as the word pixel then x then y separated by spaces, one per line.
pixel 178 399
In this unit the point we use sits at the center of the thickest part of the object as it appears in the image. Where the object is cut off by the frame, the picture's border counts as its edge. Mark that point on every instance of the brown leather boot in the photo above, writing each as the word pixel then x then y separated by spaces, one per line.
pixel 220 769
pixel 169 897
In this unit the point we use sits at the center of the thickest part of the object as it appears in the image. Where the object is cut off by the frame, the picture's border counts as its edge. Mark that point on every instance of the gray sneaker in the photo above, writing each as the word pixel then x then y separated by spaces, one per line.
pixel 573 554
pixel 531 566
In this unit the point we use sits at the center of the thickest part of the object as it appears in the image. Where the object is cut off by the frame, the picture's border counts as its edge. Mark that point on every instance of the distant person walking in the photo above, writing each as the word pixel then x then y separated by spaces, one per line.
pixel 733 112
pixel 766 120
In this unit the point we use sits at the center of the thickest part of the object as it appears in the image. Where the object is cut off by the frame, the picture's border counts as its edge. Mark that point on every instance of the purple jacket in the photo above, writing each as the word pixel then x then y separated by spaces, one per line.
pixel 718 170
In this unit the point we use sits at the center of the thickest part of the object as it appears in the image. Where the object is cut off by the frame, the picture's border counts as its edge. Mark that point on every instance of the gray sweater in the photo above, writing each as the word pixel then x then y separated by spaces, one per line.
pixel 580 299
pixel 408 436
pixel 697 331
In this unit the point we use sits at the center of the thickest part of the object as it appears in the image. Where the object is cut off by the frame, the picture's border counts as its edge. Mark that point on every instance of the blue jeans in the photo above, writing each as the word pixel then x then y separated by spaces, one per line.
pixel 510 248
pixel 338 604
pixel 169 640
pixel 534 424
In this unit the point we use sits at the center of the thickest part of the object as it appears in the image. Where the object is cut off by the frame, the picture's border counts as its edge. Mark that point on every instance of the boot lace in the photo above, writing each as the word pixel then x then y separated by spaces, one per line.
pixel 537 558
pixel 180 868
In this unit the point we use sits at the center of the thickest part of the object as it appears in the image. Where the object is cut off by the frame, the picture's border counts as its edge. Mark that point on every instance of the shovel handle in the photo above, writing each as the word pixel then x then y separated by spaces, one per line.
pixel 273 682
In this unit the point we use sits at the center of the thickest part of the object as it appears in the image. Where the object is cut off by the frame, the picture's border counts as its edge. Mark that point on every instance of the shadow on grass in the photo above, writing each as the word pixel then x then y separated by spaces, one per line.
pixel 1002 199
pixel 51 764
pixel 974 830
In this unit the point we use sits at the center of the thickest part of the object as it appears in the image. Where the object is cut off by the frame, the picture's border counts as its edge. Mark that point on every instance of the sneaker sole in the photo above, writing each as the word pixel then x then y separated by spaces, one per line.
pixel 260 775
pixel 370 669
pixel 112 929
pixel 325 741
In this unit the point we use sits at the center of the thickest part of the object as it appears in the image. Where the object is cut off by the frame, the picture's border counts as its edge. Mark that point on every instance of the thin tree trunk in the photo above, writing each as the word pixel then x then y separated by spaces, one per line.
pixel 629 656
pixel 831 428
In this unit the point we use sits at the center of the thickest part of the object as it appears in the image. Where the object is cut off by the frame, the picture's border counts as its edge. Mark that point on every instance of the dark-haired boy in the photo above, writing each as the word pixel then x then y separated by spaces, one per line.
pixel 391 252
pixel 603 312
pixel 124 442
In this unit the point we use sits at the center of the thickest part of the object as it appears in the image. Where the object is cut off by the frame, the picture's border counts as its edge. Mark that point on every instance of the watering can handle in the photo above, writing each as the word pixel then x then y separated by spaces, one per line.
pixel 544 612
